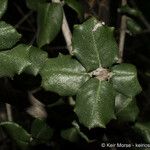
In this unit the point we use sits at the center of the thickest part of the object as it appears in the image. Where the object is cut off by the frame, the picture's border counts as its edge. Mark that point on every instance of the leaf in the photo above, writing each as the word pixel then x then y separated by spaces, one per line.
pixel 70 134
pixel 131 11
pixel 3 7
pixel 63 75
pixel 143 129
pixel 17 133
pixel 133 27
pixel 21 58
pixel 74 134
pixel 97 46
pixel 77 6
pixel 126 108
pixel 37 58
pixel 8 36
pixel 50 18
pixel 14 61
pixel 34 4
pixel 95 103
pixel 124 79
pixel 41 132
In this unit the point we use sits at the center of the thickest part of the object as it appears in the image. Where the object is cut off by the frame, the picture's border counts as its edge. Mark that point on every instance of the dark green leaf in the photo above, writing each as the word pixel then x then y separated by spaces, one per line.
pixel 133 27
pixel 17 133
pixel 95 103
pixel 14 61
pixel 3 7
pixel 8 36
pixel 143 129
pixel 94 44
pixel 77 6
pixel 50 18
pixel 21 58
pixel 126 108
pixel 37 58
pixel 41 132
pixel 70 134
pixel 63 75
pixel 131 11
pixel 124 79
pixel 34 4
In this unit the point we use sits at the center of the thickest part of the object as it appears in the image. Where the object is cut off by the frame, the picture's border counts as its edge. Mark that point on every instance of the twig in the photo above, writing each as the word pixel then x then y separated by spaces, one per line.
pixel 66 30
pixel 23 19
pixel 9 112
pixel 123 27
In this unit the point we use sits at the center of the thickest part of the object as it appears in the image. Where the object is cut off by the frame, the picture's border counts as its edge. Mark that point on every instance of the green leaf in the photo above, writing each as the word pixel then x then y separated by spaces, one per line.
pixel 37 58
pixel 8 36
pixel 143 129
pixel 14 61
pixel 95 103
pixel 3 7
pixel 34 4
pixel 41 132
pixel 70 134
pixel 98 47
pixel 126 108
pixel 50 18
pixel 133 27
pixel 124 79
pixel 77 6
pixel 131 11
pixel 21 58
pixel 17 133
pixel 63 75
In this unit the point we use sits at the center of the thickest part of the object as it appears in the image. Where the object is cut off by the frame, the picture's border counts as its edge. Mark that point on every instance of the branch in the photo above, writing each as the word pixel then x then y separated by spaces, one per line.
pixel 66 30
pixel 123 27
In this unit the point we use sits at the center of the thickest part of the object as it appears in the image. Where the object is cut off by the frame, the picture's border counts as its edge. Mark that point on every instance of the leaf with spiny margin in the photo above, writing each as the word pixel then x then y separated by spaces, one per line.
pixel 34 4
pixel 50 18
pixel 63 75
pixel 95 103
pixel 13 61
pixel 77 6
pixel 126 108
pixel 17 133
pixel 124 79
pixel 41 132
pixel 143 129
pixel 94 44
pixel 3 7
pixel 8 36
pixel 37 58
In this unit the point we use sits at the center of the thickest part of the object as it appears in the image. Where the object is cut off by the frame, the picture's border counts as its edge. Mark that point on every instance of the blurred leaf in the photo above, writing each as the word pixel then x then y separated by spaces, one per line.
pixel 77 6
pixel 124 79
pixel 97 46
pixel 41 132
pixel 63 75
pixel 3 7
pixel 131 11
pixel 133 27
pixel 126 108
pixel 50 18
pixel 17 133
pixel 70 134
pixel 143 129
pixel 95 103
pixel 8 36
pixel 34 4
